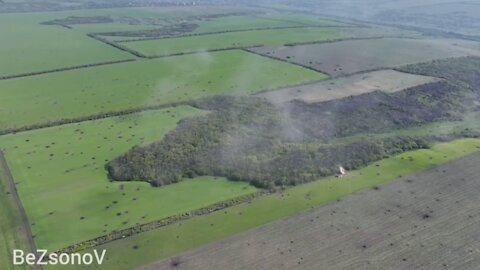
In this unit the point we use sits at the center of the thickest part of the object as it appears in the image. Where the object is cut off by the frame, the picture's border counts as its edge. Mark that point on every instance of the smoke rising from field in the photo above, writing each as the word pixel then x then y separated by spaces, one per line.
pixel 273 138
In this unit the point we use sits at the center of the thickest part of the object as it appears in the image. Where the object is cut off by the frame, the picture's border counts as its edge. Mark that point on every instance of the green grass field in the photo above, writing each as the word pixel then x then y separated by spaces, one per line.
pixel 228 40
pixel 199 231
pixel 204 26
pixel 60 177
pixel 241 23
pixel 110 27
pixel 261 21
pixel 60 171
pixel 303 19
pixel 12 234
pixel 39 99
pixel 227 23
pixel 28 46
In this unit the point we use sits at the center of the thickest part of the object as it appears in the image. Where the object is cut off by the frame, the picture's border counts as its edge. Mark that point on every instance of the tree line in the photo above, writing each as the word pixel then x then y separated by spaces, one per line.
pixel 249 139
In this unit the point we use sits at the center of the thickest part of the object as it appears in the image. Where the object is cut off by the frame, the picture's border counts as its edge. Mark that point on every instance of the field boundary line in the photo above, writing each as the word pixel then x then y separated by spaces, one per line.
pixel 204 51
pixel 329 205
pixel 293 44
pixel 332 78
pixel 98 116
pixel 149 226
pixel 286 61
pixel 225 32
pixel 432 32
pixel 117 46
pixel 16 198
pixel 324 42
pixel 104 115
pixel 311 13
pixel 302 23
pixel 7 77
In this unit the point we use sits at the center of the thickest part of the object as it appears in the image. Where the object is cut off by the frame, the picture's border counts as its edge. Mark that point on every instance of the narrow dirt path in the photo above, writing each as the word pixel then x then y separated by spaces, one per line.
pixel 10 183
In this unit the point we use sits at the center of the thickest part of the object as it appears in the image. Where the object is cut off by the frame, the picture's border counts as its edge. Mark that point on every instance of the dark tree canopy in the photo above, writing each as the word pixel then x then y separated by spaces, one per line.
pixel 249 139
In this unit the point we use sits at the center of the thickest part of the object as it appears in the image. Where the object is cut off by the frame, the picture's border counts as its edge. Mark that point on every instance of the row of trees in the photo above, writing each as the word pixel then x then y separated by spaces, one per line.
pixel 139 228
pixel 63 69
pixel 66 121
pixel 249 139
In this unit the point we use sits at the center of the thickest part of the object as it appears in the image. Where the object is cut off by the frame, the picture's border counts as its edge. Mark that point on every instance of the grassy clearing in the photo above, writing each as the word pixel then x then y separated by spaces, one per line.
pixel 227 23
pixel 28 46
pixel 199 231
pixel 303 19
pixel 143 19
pixel 64 188
pixel 180 13
pixel 232 23
pixel 110 27
pixel 39 99
pixel 228 40
pixel 262 21
pixel 12 234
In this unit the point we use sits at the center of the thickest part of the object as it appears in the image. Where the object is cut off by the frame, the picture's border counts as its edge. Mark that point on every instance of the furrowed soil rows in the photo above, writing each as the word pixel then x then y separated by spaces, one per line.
pixel 352 56
pixel 206 229
pixel 426 221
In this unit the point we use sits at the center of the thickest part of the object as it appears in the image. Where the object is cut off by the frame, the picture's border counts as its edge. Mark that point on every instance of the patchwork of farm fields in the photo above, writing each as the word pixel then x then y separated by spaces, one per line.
pixel 20 30
pixel 388 81
pixel 60 176
pixel 230 40
pixel 77 93
pixel 166 97
pixel 214 25
pixel 268 37
pixel 28 46
pixel 425 221
pixel 342 58
pixel 209 228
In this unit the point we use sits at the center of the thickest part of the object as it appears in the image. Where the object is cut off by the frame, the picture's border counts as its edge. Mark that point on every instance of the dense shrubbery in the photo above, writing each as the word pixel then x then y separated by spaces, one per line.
pixel 71 20
pixel 379 112
pixel 249 139
pixel 164 31
pixel 464 71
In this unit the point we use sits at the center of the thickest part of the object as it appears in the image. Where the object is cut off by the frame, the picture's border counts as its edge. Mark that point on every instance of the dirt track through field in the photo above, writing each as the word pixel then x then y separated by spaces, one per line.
pixel 430 220
pixel 10 182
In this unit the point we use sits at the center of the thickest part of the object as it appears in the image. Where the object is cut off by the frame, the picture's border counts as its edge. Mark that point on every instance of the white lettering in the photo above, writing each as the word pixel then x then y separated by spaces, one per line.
pixel 76 258
pixel 53 259
pixel 30 259
pixel 43 253
pixel 18 257
pixel 64 258
pixel 87 259
pixel 99 259
pixel 42 257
